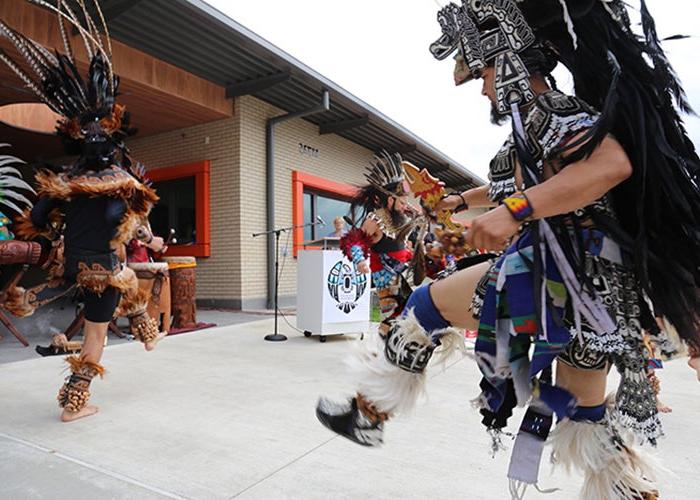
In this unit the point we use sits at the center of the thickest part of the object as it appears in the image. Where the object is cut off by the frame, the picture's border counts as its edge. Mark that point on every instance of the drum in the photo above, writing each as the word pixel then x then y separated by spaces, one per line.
pixel 19 252
pixel 154 277
pixel 183 291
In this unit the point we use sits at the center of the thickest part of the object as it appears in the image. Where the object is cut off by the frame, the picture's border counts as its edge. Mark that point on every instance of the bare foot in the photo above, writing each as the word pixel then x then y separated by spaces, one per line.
pixel 69 416
pixel 663 408
pixel 152 344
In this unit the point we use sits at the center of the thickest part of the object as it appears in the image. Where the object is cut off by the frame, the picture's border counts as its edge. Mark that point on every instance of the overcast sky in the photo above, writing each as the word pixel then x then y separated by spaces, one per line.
pixel 378 51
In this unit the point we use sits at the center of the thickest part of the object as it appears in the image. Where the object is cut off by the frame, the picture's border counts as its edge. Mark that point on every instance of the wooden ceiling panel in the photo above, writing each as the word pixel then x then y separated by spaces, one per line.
pixel 159 96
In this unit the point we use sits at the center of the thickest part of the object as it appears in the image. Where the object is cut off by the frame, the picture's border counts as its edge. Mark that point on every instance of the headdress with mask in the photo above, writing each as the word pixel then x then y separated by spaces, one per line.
pixel 626 77
pixel 488 33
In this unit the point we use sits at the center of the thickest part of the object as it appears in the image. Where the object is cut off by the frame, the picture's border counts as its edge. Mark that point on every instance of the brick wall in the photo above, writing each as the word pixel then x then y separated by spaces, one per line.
pixel 218 277
pixel 236 273
pixel 339 160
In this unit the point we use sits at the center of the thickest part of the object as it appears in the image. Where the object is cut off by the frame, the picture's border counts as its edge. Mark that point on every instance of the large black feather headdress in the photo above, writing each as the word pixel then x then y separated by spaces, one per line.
pixel 55 79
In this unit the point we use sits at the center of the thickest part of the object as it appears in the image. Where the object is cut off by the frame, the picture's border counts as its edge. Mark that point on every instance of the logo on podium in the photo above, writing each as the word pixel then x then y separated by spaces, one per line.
pixel 346 286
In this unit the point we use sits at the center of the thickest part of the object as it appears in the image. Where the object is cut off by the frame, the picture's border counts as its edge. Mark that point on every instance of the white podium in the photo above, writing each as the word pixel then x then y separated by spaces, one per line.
pixel 332 298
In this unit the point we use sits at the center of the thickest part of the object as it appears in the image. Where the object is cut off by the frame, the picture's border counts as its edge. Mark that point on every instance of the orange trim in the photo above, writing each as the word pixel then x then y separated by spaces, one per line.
pixel 301 181
pixel 200 170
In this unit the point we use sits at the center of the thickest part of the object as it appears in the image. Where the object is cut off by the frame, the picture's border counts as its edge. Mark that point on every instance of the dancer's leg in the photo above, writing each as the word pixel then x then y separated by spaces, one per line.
pixel 389 369
pixel 93 346
pixel 587 385
pixel 613 467
pixel 94 343
pixel 134 305
pixel 453 295
pixel 74 395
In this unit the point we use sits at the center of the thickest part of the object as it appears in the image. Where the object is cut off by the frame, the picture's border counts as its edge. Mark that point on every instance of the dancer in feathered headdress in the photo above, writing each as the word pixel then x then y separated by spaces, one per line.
pixel 597 209
pixel 385 386
pixel 95 203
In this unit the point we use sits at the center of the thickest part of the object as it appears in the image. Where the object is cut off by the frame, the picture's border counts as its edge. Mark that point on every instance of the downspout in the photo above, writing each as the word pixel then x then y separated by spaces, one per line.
pixel 270 184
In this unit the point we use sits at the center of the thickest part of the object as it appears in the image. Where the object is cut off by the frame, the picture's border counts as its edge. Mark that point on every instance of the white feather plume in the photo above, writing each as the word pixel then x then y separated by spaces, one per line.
pixel 613 468
pixel 388 387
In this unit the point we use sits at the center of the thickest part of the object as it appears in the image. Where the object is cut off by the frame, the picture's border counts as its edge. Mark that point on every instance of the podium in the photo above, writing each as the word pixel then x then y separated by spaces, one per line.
pixel 327 243
pixel 332 297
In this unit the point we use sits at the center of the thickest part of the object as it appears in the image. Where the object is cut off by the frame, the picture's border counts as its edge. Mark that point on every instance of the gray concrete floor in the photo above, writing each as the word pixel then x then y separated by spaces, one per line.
pixel 224 414
pixel 48 320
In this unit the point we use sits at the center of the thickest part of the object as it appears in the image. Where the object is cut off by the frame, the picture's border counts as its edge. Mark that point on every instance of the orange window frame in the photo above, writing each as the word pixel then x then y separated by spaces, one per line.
pixel 302 181
pixel 200 170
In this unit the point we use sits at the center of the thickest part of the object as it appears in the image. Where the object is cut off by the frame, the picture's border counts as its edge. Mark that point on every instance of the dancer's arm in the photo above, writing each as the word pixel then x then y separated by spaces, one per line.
pixel 476 198
pixel 583 182
pixel 41 211
pixel 371 228
pixel 576 186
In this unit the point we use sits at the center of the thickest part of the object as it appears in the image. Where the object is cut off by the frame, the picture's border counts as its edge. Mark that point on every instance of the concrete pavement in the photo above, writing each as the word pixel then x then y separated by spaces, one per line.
pixel 222 414
pixel 48 320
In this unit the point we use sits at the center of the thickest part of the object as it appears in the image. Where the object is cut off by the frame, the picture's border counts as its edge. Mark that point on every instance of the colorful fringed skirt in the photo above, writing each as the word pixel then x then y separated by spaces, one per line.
pixel 527 322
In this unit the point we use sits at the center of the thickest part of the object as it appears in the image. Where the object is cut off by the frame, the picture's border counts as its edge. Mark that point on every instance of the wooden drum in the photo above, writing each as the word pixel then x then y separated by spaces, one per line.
pixel 183 291
pixel 154 277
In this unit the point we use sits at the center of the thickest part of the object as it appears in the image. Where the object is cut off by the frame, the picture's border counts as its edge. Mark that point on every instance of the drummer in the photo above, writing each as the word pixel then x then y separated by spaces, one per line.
pixel 144 246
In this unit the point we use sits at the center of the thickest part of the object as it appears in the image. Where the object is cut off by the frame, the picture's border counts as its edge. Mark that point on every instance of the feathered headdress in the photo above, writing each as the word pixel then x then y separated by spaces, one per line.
pixel 386 174
pixel 54 77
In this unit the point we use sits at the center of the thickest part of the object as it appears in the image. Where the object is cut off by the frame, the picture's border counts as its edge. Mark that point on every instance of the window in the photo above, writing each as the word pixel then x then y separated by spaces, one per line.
pixel 314 196
pixel 183 206
pixel 325 207
pixel 176 209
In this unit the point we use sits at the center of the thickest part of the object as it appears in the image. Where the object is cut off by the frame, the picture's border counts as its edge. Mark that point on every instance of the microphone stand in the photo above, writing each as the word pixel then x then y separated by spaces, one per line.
pixel 276 336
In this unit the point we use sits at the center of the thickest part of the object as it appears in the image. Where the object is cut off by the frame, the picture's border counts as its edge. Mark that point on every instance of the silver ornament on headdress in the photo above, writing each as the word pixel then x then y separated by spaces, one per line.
pixel 485 32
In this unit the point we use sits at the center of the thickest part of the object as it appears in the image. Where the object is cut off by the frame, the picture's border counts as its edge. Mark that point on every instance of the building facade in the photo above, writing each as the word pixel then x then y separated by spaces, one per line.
pixel 204 140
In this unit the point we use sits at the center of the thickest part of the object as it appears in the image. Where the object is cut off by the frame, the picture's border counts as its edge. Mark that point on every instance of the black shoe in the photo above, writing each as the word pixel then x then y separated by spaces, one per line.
pixel 346 420
pixel 53 350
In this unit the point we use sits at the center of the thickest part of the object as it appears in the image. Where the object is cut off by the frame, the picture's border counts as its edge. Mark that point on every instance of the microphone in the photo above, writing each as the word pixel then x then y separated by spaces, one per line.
pixel 320 220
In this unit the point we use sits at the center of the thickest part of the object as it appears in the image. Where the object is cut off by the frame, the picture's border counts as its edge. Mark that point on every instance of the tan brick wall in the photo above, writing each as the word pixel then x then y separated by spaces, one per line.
pixel 218 277
pixel 236 272
pixel 339 160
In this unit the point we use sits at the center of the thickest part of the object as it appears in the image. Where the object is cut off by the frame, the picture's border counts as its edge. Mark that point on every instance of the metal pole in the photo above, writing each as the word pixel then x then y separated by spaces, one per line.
pixel 270 185
pixel 276 336
pixel 270 215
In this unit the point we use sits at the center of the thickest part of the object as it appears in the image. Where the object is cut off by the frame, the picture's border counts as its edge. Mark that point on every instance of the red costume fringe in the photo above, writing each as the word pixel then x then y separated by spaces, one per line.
pixel 354 237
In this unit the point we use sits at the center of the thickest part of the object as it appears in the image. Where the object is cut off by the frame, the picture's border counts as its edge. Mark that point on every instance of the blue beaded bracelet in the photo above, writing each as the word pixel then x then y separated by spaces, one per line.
pixel 357 254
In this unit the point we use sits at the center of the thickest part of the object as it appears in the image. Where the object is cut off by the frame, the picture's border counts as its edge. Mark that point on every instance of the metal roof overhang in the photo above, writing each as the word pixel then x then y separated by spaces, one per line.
pixel 198 38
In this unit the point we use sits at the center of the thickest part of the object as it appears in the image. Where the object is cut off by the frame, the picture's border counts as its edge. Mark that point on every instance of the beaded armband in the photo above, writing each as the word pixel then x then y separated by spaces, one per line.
pixel 519 206
pixel 357 254
pixel 355 245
